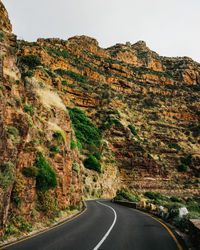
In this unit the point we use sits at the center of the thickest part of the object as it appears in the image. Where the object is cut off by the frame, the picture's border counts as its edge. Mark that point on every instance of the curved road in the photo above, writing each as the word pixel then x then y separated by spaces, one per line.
pixel 106 226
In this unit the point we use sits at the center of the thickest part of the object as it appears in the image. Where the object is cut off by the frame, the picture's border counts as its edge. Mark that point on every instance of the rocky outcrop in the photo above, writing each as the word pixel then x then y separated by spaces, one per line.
pixel 5 24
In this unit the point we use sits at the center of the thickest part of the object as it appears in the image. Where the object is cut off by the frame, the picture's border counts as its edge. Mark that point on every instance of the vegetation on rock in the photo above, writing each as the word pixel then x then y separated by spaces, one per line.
pixel 46 177
pixel 86 132
pixel 92 163
pixel 32 61
pixel 7 174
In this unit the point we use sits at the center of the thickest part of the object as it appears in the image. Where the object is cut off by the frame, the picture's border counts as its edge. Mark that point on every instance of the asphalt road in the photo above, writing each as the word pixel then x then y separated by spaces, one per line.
pixel 106 226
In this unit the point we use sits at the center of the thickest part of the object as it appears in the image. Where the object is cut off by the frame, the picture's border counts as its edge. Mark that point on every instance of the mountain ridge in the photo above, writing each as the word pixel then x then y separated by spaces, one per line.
pixel 80 121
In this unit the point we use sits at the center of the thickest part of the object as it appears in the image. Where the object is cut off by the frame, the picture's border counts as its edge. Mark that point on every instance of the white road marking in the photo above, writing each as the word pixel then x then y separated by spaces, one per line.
pixel 111 227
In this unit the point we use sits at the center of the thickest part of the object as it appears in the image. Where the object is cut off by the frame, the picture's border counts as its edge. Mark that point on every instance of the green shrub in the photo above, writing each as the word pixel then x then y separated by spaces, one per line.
pixel 46 177
pixel 85 130
pixel 79 145
pixel 9 231
pixel 64 83
pixel 73 144
pixel 114 112
pixel 72 86
pixel 83 179
pixel 94 179
pixel 60 53
pixel 92 163
pixel 109 121
pixel 153 195
pixel 24 226
pixel 187 160
pixel 73 207
pixel 32 61
pixel 174 199
pixel 182 168
pixel 60 136
pixel 7 174
pixel 173 210
pixel 30 122
pixel 77 77
pixel 97 155
pixel 12 133
pixel 28 108
pixel 75 167
pixel 54 149
pixel 31 171
pixel 93 192
pixel 50 73
pixel 197 174
pixel 72 188
pixel 133 129
pixel 2 36
pixel 47 203
pixel 175 146
pixel 28 74
pixel 125 194
pixel 17 200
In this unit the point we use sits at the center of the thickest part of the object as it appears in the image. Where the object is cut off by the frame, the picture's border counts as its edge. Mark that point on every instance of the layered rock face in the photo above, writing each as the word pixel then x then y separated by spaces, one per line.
pixel 32 121
pixel 146 107
pixel 5 24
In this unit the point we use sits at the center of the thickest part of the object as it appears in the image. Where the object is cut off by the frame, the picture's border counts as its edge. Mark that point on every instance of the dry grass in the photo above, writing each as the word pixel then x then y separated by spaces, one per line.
pixel 50 99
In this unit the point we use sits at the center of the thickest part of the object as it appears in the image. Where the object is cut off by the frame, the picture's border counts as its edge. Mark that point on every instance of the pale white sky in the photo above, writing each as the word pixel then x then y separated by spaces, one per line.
pixel 169 27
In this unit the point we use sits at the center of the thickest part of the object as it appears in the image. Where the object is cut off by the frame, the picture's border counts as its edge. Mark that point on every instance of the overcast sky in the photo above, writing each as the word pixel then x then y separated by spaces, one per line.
pixel 169 27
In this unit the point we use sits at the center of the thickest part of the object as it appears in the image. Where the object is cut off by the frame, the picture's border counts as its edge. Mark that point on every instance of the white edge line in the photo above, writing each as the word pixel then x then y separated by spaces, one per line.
pixel 109 230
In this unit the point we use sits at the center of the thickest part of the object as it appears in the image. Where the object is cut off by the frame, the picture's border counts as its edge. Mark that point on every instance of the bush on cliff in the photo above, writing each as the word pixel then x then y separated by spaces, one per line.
pixel 57 52
pixel 92 163
pixel 133 129
pixel 77 77
pixel 46 177
pixel 60 136
pixel 85 130
pixel 32 61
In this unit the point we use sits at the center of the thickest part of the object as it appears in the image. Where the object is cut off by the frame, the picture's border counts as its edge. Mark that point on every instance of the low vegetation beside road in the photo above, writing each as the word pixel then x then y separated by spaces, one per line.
pixel 167 207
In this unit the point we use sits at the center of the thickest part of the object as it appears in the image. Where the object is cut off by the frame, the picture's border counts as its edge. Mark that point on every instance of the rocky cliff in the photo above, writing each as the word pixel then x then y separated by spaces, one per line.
pixel 92 120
